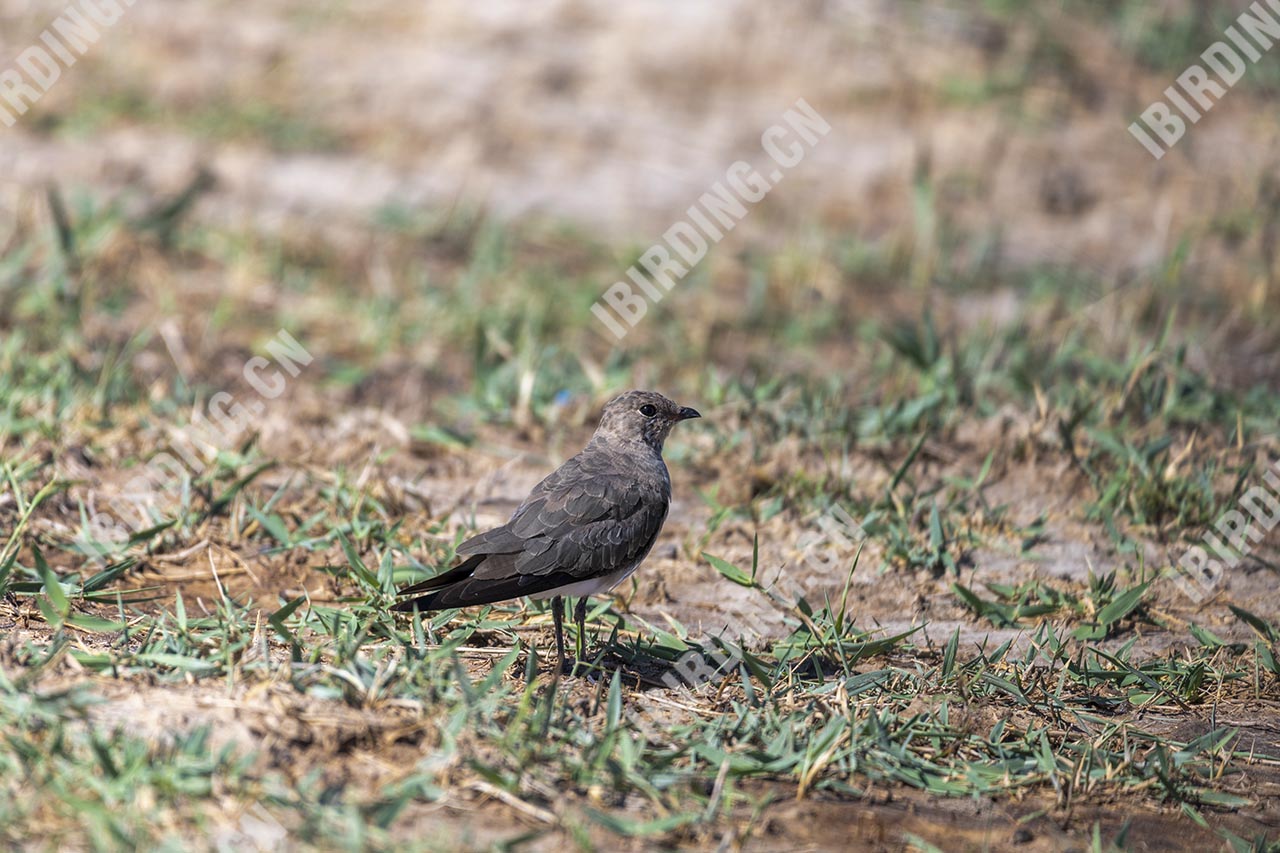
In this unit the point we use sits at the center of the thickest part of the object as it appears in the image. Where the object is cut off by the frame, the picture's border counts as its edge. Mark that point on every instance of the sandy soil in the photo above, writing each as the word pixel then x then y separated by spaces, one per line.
pixel 616 118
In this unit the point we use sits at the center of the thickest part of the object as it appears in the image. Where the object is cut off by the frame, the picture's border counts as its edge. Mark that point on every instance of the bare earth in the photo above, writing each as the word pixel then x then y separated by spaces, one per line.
pixel 613 119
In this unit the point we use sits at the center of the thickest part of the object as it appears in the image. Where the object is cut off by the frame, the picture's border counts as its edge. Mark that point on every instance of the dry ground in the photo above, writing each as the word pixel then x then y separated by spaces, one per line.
pixel 979 318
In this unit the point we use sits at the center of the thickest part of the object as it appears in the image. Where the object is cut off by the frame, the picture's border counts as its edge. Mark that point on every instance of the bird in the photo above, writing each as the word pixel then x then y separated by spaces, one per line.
pixel 581 531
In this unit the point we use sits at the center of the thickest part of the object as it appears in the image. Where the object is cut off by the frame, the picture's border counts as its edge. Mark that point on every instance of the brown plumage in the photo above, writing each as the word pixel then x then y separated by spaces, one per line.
pixel 582 530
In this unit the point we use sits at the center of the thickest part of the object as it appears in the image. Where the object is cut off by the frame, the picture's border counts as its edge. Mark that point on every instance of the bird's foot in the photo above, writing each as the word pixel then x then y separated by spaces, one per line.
pixel 579 666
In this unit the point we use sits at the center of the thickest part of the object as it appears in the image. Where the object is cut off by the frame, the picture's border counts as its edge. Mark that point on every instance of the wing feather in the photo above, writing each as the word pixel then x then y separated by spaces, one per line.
pixel 585 519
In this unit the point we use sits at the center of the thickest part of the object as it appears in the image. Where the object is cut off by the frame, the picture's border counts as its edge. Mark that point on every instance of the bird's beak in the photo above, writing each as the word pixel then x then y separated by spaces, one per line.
pixel 686 413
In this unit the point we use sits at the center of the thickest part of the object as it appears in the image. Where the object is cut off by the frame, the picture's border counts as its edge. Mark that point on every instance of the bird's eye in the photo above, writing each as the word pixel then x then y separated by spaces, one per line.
pixel 648 410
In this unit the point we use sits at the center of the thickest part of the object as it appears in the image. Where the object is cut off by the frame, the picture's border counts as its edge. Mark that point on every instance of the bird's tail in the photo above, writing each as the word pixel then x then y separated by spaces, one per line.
pixel 422 604
pixel 434 586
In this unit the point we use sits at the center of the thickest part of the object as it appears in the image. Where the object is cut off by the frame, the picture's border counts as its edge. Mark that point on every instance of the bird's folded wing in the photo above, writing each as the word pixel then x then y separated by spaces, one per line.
pixel 582 521
pixel 587 518
pixel 462 571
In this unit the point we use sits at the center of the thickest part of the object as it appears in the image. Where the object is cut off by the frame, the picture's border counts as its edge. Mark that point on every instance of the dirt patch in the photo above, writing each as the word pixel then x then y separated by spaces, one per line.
pixel 432 198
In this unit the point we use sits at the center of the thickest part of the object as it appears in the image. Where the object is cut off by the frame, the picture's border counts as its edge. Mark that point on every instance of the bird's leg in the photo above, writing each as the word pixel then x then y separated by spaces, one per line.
pixel 580 617
pixel 557 614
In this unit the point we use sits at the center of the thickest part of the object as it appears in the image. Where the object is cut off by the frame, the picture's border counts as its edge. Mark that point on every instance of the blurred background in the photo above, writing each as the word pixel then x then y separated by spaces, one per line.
pixel 1033 362
pixel 994 127
pixel 431 197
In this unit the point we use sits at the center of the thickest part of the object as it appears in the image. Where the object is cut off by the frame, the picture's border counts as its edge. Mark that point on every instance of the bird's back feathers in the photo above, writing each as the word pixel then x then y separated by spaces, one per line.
pixel 596 515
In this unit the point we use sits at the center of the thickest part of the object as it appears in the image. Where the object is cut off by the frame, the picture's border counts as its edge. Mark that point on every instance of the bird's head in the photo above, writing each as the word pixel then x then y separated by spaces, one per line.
pixel 642 416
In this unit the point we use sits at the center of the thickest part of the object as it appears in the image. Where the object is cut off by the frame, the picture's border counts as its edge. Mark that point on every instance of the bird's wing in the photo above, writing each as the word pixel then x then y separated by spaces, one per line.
pixel 462 571
pixel 585 519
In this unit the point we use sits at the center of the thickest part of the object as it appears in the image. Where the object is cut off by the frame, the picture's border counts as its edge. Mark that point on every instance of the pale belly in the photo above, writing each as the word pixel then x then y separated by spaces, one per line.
pixel 591 586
